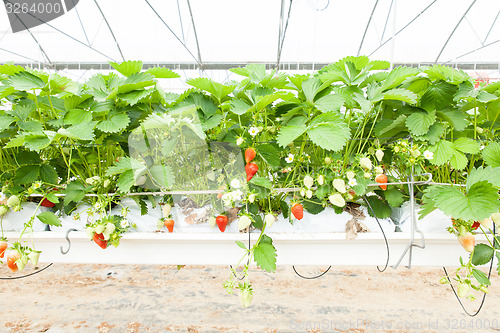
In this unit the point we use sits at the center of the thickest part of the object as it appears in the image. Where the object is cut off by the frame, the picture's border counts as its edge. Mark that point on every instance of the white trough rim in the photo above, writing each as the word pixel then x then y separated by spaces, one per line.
pixel 368 249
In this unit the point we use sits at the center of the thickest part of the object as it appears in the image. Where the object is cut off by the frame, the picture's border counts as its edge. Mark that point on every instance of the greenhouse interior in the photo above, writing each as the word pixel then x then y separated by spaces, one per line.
pixel 251 138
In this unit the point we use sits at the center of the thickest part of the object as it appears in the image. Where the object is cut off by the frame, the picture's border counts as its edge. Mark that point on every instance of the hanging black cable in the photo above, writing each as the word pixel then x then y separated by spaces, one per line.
pixel 24 276
pixel 484 295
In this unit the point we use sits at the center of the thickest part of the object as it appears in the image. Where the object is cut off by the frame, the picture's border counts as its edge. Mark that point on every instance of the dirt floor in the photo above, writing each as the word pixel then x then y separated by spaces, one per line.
pixel 131 298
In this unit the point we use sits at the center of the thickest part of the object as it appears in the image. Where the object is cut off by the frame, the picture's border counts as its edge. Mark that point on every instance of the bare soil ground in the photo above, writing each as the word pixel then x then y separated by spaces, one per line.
pixel 132 298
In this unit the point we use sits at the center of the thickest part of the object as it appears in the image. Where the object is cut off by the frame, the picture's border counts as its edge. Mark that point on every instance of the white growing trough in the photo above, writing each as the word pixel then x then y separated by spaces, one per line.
pixel 315 240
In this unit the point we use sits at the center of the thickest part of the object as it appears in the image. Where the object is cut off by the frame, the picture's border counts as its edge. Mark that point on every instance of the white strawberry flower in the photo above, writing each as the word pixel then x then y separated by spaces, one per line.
pixel 350 174
pixel 243 222
pixel 321 179
pixel 290 158
pixel 235 183
pixel 309 194
pixel 253 131
pixel 337 200
pixel 379 154
pixel 339 185
pixel 352 182
pixel 124 223
pixel 366 163
pixel 308 181
pixel 269 219
pixel 428 155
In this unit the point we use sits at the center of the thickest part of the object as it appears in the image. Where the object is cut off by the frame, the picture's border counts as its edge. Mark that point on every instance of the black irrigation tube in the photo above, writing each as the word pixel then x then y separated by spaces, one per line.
pixel 484 295
pixel 378 268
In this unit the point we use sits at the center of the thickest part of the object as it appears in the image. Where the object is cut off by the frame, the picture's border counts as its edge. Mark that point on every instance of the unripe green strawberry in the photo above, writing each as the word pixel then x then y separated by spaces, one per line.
pixel 328 160
pixel 90 232
pixel 33 257
pixel 243 222
pixel 13 201
pixel 3 210
pixel 443 280
pixel 21 262
pixel 366 163
pixel 496 218
pixel 166 209
pixel 462 289
pixel 484 289
pixel 350 174
pixel 487 223
pixel 269 219
pixel 337 200
pixel 309 194
pixel 110 227
pixel 159 224
pixel 339 185
pixel 211 222
pixel 246 296
pixel 251 197
pixel 321 179
pixel 99 229
pixel 308 181
pixel 379 154
pixel 106 183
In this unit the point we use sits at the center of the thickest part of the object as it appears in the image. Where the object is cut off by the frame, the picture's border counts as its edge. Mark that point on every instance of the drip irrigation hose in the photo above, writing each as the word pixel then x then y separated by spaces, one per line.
pixel 24 276
pixel 378 268
pixel 484 295
pixel 248 260
pixel 383 233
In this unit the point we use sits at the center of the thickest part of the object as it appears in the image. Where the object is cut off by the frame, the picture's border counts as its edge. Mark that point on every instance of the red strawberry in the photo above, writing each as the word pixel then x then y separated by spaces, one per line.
pixel 251 169
pixel 48 203
pixel 169 223
pixel 381 178
pixel 298 211
pixel 99 240
pixel 475 225
pixel 468 241
pixel 11 260
pixel 221 221
pixel 249 154
pixel 3 247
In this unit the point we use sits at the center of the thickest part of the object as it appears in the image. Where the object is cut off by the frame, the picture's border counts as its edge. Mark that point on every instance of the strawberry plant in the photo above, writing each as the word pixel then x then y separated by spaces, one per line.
pixel 329 138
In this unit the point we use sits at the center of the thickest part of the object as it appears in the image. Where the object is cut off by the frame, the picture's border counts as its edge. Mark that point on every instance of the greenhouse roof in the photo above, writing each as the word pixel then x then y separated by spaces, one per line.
pixel 300 34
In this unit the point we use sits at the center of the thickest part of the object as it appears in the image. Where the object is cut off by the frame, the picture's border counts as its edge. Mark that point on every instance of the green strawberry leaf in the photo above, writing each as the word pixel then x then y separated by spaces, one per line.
pixel 74 192
pixel 381 209
pixel 115 123
pixel 418 123
pixel 480 201
pixel 265 256
pixel 49 218
pixel 482 254
pixel 127 68
pixel 491 154
pixel 481 277
pixel 289 133
pixel 162 73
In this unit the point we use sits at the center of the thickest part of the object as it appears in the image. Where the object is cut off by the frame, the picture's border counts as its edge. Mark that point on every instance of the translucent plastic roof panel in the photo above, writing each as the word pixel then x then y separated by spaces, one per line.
pixel 198 31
